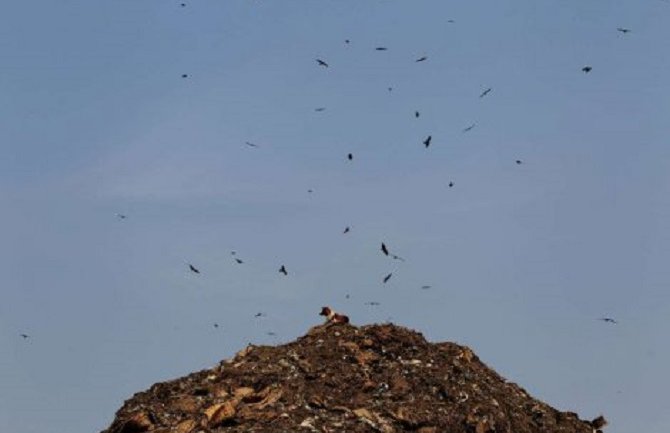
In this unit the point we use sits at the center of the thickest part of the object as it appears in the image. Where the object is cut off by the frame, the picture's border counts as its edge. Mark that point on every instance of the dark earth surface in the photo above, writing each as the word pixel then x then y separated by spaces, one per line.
pixel 343 378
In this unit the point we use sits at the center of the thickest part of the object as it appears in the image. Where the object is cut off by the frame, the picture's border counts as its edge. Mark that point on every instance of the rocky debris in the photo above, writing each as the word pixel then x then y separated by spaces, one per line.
pixel 343 378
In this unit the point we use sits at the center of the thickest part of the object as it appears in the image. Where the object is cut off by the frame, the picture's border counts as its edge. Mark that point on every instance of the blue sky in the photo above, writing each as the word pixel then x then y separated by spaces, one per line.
pixel 96 120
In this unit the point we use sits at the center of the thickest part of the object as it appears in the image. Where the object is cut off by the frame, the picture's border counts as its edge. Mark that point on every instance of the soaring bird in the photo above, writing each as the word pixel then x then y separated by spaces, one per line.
pixel 384 249
pixel 320 109
pixel 519 162
pixel 422 59
pixel 350 156
pixel 388 277
pixel 322 63
pixel 259 314
pixel 216 325
pixel 346 41
pixel 283 270
pixel 193 268
pixel 417 114
pixel 485 92
pixel 427 141
pixel 587 69
pixel 183 5
pixel 250 144
pixel 238 261
pixel 451 184
pixel 397 258
pixel 346 230
pixel 24 336
pixel 381 48
pixel 608 320
pixel 469 128
pixel 121 216
pixel 426 287
pixel 623 30
pixel 372 303
pixel 184 75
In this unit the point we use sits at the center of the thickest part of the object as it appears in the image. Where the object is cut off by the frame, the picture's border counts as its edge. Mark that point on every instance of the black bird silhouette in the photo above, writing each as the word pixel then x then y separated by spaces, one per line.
pixel 381 48
pixel 469 128
pixel 397 258
pixel 322 63
pixel 422 59
pixel 608 320
pixel 310 191
pixel 373 303
pixel 451 184
pixel 623 30
pixel 238 261
pixel 350 157
pixel 320 109
pixel 193 269
pixel 417 114
pixel 216 325
pixel 283 270
pixel 184 75
pixel 388 277
pixel 390 89
pixel 427 141
pixel 259 314
pixel 121 216
pixel 384 249
pixel 346 230
pixel 519 162
pixel 346 41
pixel 183 5
pixel 587 69
pixel 485 92
pixel 451 21
pixel 271 334
pixel 24 336
pixel 250 144
pixel 426 287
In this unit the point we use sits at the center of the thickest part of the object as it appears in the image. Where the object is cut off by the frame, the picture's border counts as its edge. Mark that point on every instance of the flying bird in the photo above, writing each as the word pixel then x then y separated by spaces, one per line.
pixel 250 144
pixel 608 320
pixel 519 162
pixel 381 48
pixel 121 216
pixel 346 41
pixel 346 230
pixel 350 157
pixel 451 21
pixel 216 325
pixel 388 277
pixel 283 270
pixel 426 287
pixel 372 303
pixel 184 75
pixel 427 141
pixel 390 89
pixel 623 30
pixel 193 269
pixel 397 258
pixel 384 249
pixel 260 314
pixel 24 336
pixel 469 128
pixel 183 5
pixel 451 184
pixel 417 114
pixel 485 92
pixel 422 59
pixel 587 69
pixel 322 63
pixel 238 261
pixel 320 109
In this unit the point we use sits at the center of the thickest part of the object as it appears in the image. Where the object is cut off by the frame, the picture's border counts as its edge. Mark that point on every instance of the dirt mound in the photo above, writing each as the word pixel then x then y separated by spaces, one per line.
pixel 343 378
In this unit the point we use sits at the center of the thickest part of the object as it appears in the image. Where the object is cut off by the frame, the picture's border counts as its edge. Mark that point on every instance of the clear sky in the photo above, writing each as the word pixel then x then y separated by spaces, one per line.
pixel 96 119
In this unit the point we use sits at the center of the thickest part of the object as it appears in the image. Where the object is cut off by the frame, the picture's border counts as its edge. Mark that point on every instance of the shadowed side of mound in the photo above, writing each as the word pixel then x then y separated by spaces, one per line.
pixel 343 378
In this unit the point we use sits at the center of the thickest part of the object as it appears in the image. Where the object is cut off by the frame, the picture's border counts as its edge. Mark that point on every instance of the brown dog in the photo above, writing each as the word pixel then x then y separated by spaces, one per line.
pixel 332 316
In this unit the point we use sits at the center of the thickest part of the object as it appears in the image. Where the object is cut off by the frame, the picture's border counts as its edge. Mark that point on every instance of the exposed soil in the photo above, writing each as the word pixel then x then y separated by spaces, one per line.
pixel 343 378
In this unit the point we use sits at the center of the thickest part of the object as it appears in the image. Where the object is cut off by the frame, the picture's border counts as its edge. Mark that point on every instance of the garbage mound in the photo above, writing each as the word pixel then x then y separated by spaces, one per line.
pixel 344 378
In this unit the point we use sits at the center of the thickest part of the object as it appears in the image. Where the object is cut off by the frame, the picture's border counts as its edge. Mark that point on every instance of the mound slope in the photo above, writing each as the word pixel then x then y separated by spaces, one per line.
pixel 343 378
